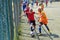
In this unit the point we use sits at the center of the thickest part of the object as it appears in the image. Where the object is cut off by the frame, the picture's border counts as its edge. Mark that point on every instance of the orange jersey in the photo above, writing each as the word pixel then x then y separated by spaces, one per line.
pixel 42 17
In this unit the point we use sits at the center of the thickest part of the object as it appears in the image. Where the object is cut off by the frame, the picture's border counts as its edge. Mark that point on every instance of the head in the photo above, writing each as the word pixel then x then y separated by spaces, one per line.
pixel 39 10
pixel 31 10
pixel 27 5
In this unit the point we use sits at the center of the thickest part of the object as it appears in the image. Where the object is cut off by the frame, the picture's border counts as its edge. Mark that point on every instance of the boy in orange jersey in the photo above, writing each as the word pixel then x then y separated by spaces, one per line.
pixel 42 20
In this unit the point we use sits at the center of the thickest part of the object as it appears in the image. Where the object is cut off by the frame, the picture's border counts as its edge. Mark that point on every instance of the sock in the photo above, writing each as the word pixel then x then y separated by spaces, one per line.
pixel 39 29
pixel 32 29
pixel 47 28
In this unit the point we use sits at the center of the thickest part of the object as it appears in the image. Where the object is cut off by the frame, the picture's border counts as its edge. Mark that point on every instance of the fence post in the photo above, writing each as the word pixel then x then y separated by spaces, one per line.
pixel 17 13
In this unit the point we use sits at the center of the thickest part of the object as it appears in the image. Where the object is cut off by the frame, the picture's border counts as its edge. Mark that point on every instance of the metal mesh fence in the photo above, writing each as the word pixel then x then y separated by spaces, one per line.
pixel 6 18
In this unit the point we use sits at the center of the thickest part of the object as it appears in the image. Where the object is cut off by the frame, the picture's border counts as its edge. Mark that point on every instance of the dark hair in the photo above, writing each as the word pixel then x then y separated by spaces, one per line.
pixel 31 9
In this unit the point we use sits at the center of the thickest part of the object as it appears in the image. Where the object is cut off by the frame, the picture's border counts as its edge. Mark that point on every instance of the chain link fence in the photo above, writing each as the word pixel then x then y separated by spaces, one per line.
pixel 6 24
pixel 9 15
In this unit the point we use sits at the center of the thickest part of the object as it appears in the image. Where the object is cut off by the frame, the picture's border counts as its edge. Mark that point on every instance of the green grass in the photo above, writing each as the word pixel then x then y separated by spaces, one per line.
pixel 16 35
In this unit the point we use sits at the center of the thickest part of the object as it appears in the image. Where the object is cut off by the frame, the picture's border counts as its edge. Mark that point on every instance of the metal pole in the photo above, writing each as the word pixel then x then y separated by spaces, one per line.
pixel 17 12
pixel 11 19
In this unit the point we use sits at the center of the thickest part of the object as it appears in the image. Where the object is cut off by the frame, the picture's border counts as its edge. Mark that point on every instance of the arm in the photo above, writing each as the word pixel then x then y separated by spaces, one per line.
pixel 37 16
pixel 22 15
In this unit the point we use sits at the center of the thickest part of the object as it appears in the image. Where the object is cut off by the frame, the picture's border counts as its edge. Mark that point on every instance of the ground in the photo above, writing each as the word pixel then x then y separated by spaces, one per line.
pixel 53 14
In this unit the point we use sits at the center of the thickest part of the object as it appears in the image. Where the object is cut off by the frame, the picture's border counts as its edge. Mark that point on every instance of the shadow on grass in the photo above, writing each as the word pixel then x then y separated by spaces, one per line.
pixel 55 35
pixel 27 35
pixel 44 35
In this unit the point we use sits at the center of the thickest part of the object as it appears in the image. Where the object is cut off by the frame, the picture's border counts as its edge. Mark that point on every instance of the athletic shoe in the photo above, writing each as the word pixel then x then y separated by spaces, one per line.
pixel 39 33
pixel 32 34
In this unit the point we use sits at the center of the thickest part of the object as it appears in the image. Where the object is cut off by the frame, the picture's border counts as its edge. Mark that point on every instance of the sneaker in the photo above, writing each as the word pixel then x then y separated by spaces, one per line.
pixel 32 34
pixel 39 34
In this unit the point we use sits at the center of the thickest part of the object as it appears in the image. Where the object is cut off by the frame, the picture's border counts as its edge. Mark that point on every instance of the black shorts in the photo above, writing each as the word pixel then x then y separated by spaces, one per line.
pixel 33 22
pixel 42 23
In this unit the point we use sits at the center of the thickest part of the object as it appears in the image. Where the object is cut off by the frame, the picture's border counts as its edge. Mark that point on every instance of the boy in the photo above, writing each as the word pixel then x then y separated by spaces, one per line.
pixel 36 2
pixel 46 3
pixel 24 5
pixel 31 19
pixel 27 9
pixel 42 20
pixel 32 3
